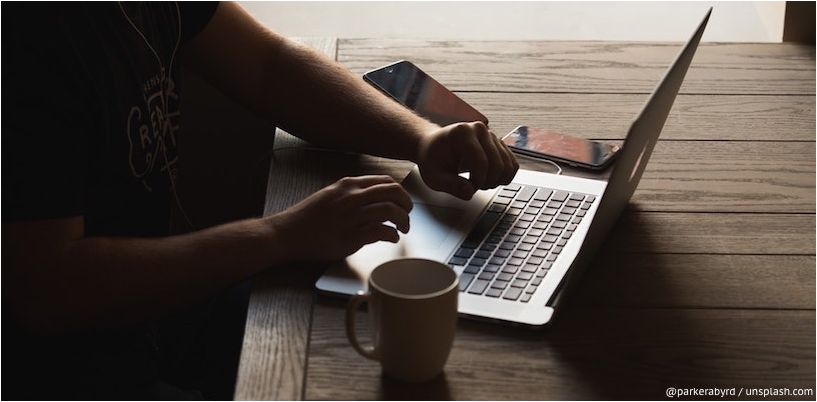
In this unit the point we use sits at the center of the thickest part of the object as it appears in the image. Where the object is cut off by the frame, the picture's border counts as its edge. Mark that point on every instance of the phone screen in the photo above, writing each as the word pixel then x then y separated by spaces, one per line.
pixel 539 141
pixel 417 91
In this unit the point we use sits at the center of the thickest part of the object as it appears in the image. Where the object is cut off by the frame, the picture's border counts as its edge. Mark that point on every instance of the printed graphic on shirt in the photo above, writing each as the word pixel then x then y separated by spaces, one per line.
pixel 152 128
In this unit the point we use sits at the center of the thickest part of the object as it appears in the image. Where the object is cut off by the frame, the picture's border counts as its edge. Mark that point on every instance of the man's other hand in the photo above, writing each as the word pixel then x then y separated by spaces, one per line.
pixel 343 217
pixel 465 147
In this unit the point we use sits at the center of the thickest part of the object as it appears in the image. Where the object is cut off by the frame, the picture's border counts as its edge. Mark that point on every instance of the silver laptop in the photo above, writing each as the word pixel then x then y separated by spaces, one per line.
pixel 517 247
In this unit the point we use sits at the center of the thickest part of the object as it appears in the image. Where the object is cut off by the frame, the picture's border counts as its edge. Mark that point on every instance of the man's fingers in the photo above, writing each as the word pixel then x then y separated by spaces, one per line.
pixel 386 192
pixel 450 183
pixel 378 232
pixel 509 163
pixel 383 212
pixel 473 158
pixel 365 181
pixel 496 165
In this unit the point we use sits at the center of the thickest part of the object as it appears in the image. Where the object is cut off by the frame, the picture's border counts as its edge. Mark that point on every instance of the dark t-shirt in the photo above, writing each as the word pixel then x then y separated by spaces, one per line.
pixel 89 129
pixel 89 124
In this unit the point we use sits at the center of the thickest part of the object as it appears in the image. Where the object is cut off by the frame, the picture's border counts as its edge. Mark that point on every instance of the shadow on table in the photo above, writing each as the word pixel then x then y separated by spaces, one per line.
pixel 604 343
pixel 436 389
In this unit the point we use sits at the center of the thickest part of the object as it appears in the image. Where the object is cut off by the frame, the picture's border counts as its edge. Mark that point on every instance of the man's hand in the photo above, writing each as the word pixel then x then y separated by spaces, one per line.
pixel 465 147
pixel 343 217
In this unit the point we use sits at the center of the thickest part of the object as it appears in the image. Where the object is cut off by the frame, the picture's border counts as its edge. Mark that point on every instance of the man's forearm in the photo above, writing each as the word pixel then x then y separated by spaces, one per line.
pixel 300 90
pixel 104 281
pixel 339 110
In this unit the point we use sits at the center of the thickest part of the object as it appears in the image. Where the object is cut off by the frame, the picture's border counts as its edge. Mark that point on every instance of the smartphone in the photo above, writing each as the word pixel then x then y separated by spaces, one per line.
pixel 547 144
pixel 416 90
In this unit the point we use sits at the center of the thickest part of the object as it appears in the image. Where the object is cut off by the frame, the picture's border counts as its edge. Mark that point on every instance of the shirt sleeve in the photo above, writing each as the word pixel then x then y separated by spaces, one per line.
pixel 44 137
pixel 195 16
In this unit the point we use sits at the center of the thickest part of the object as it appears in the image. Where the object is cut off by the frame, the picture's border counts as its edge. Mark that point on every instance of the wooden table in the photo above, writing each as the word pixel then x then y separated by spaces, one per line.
pixel 708 279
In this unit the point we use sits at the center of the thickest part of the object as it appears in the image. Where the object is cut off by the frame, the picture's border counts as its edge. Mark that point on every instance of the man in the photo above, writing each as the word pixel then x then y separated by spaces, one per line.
pixel 89 131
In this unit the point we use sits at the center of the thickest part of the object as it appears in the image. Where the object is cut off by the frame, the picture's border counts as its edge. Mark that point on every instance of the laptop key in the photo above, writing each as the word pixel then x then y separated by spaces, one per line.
pixel 541 225
pixel 525 247
pixel 567 234
pixel 464 252
pixel 539 253
pixel 525 276
pixel 556 250
pixel 573 204
pixel 550 238
pixel 477 262
pixel 572 227
pixel 537 203
pixel 488 247
pixel 543 194
pixel 496 208
pixel 536 281
pixel 520 254
pixel 502 253
pixel 554 204
pixel 526 193
pixel 580 213
pixel 522 225
pixel 493 292
pixel 577 220
pixel 586 205
pixel 497 260
pixel 472 269
pixel 514 211
pixel 543 245
pixel 590 199
pixel 560 196
pixel 554 231
pixel 504 277
pixel 550 211
pixel 506 245
pixel 531 289
pixel 568 210
pixel 535 232
pixel 515 261
pixel 561 242
pixel 518 204
pixel 483 254
pixel 491 268
pixel 503 200
pixel 513 239
pixel 558 225
pixel 576 197
pixel 527 217
pixel 457 261
pixel 530 239
pixel 512 187
pixel 500 284
pixel 532 210
pixel 486 276
pixel 517 231
pixel 512 293
pixel 535 260
pixel 563 217
pixel 483 226
pixel 478 287
pixel 507 193
pixel 465 280
pixel 544 218
pixel 525 298
pixel 510 269
pixel 519 283
pixel 529 268
pixel 552 257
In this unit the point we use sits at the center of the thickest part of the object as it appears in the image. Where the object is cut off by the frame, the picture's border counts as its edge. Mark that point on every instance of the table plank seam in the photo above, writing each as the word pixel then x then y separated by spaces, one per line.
pixel 480 91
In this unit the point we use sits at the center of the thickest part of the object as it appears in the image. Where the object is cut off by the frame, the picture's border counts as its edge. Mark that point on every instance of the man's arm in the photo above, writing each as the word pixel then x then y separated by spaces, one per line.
pixel 57 279
pixel 320 101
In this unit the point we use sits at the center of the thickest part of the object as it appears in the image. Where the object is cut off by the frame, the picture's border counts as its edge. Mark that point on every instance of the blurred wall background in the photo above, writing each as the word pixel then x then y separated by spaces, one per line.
pixel 754 21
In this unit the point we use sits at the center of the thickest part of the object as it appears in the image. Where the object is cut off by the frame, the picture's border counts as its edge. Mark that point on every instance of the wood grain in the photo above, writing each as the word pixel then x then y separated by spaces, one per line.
pixel 713 233
pixel 276 335
pixel 592 67
pixel 588 353
pixel 693 117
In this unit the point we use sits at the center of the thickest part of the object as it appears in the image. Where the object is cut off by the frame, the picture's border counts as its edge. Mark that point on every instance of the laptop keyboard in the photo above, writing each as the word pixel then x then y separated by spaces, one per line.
pixel 516 241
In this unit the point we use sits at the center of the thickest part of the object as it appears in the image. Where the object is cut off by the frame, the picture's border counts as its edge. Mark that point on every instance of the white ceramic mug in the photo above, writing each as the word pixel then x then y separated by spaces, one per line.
pixel 413 311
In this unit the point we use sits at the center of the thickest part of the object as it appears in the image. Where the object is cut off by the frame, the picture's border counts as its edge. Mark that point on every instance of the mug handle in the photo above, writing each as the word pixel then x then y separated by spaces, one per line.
pixel 369 352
